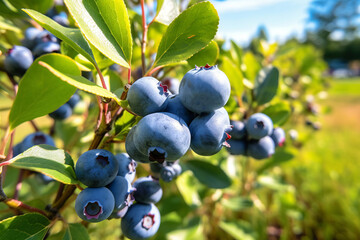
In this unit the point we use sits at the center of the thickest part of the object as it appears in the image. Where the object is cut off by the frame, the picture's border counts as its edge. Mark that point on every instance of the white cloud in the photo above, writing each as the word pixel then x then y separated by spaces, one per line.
pixel 242 5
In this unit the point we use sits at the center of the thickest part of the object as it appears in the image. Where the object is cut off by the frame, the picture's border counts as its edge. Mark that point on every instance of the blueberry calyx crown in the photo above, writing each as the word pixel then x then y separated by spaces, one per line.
pixel 132 166
pixel 164 87
pixel 206 67
pixel 39 139
pixel 9 51
pixel 259 124
pixel 102 160
pixel 93 210
pixel 148 221
pixel 157 155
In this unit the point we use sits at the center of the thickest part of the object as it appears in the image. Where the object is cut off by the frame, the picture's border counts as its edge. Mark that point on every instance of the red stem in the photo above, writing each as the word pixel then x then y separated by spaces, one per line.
pixel 16 204
pixel 151 71
pixel 144 37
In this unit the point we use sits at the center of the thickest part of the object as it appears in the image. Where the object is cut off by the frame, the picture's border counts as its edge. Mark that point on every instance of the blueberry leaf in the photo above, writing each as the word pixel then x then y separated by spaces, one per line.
pixel 106 25
pixel 167 11
pixel 28 226
pixel 71 36
pixel 48 160
pixel 207 55
pixel 266 85
pixel 40 92
pixel 239 230
pixel 208 174
pixel 81 83
pixel 76 231
pixel 235 76
pixel 278 112
pixel 191 31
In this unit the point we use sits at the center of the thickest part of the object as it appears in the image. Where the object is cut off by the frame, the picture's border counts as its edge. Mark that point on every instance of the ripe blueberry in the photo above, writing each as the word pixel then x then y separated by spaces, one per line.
pixel 141 221
pixel 168 173
pixel 132 150
pixel 209 132
pixel 259 125
pixel 96 168
pixel 63 112
pixel 127 166
pixel 73 100
pixel 237 147
pixel 278 135
pixel 148 190
pixel 94 204
pixel 162 136
pixel 204 89
pixel 238 131
pixel 46 47
pixel 147 95
pixel 121 189
pixel 18 60
pixel 174 105
pixel 30 36
pixel 36 139
pixel 260 149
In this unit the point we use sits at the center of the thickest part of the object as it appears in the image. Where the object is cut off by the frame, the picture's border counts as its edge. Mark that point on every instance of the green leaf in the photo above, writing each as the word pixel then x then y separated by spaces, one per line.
pixel 32 226
pixel 167 11
pixel 51 161
pixel 239 230
pixel 188 189
pixel 280 156
pixel 208 174
pixel 72 36
pixel 41 6
pixel 81 83
pixel 191 31
pixel 250 66
pixel 40 92
pixel 76 231
pixel 6 24
pixel 236 53
pixel 235 76
pixel 237 203
pixel 106 25
pixel 123 124
pixel 278 112
pixel 207 55
pixel 266 85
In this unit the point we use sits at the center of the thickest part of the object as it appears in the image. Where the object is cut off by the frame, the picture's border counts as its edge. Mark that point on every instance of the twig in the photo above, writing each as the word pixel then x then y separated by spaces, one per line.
pixel 16 204
pixel 144 37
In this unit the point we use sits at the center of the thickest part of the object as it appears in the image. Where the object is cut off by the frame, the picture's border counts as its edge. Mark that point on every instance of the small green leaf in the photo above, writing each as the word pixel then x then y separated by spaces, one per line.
pixel 236 53
pixel 239 230
pixel 81 83
pixel 6 24
pixel 237 203
pixel 266 85
pixel 250 66
pixel 71 36
pixel 188 189
pixel 278 112
pixel 167 11
pixel 191 31
pixel 40 92
pixel 123 124
pixel 76 231
pixel 207 55
pixel 235 76
pixel 99 30
pixel 41 6
pixel 32 226
pixel 208 174
pixel 51 161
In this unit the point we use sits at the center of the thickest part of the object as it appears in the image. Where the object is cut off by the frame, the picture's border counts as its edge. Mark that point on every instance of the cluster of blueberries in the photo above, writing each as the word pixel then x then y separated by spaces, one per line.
pixel 110 194
pixel 171 124
pixel 256 137
pixel 35 43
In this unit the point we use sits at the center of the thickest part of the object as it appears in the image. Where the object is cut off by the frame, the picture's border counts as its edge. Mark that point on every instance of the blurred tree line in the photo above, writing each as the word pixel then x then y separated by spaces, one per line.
pixel 334 28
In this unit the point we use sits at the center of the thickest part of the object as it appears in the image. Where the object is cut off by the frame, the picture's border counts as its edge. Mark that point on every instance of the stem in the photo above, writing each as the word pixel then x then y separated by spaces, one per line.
pixel 129 75
pixel 152 70
pixel 144 37
pixel 33 124
pixel 57 205
pixel 19 184
pixel 16 204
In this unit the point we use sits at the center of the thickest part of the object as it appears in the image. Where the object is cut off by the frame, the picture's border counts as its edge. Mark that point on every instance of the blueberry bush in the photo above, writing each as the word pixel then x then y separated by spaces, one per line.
pixel 143 124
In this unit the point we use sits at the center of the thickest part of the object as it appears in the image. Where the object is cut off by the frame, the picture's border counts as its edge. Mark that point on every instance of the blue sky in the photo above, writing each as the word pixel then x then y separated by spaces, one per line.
pixel 240 19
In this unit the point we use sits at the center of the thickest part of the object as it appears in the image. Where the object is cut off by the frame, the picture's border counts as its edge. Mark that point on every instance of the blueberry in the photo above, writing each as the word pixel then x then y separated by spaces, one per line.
pixel 237 147
pixel 209 132
pixel 62 112
pixel 147 95
pixel 46 47
pixel 17 149
pixel 119 214
pixel 43 37
pixel 162 136
pixel 259 125
pixel 127 166
pixel 148 190
pixel 36 139
pixel 238 131
pixel 174 105
pixel 141 221
pixel 96 168
pixel 44 178
pixel 204 89
pixel 177 168
pixel 132 150
pixel 121 189
pixel 172 84
pixel 168 173
pixel 156 167
pixel 18 60
pixel 30 36
pixel 260 149
pixel 61 19
pixel 94 204
pixel 278 135
pixel 73 100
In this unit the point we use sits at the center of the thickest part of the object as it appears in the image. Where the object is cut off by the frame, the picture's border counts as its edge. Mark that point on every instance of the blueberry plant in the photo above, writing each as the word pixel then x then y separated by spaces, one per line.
pixel 129 146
